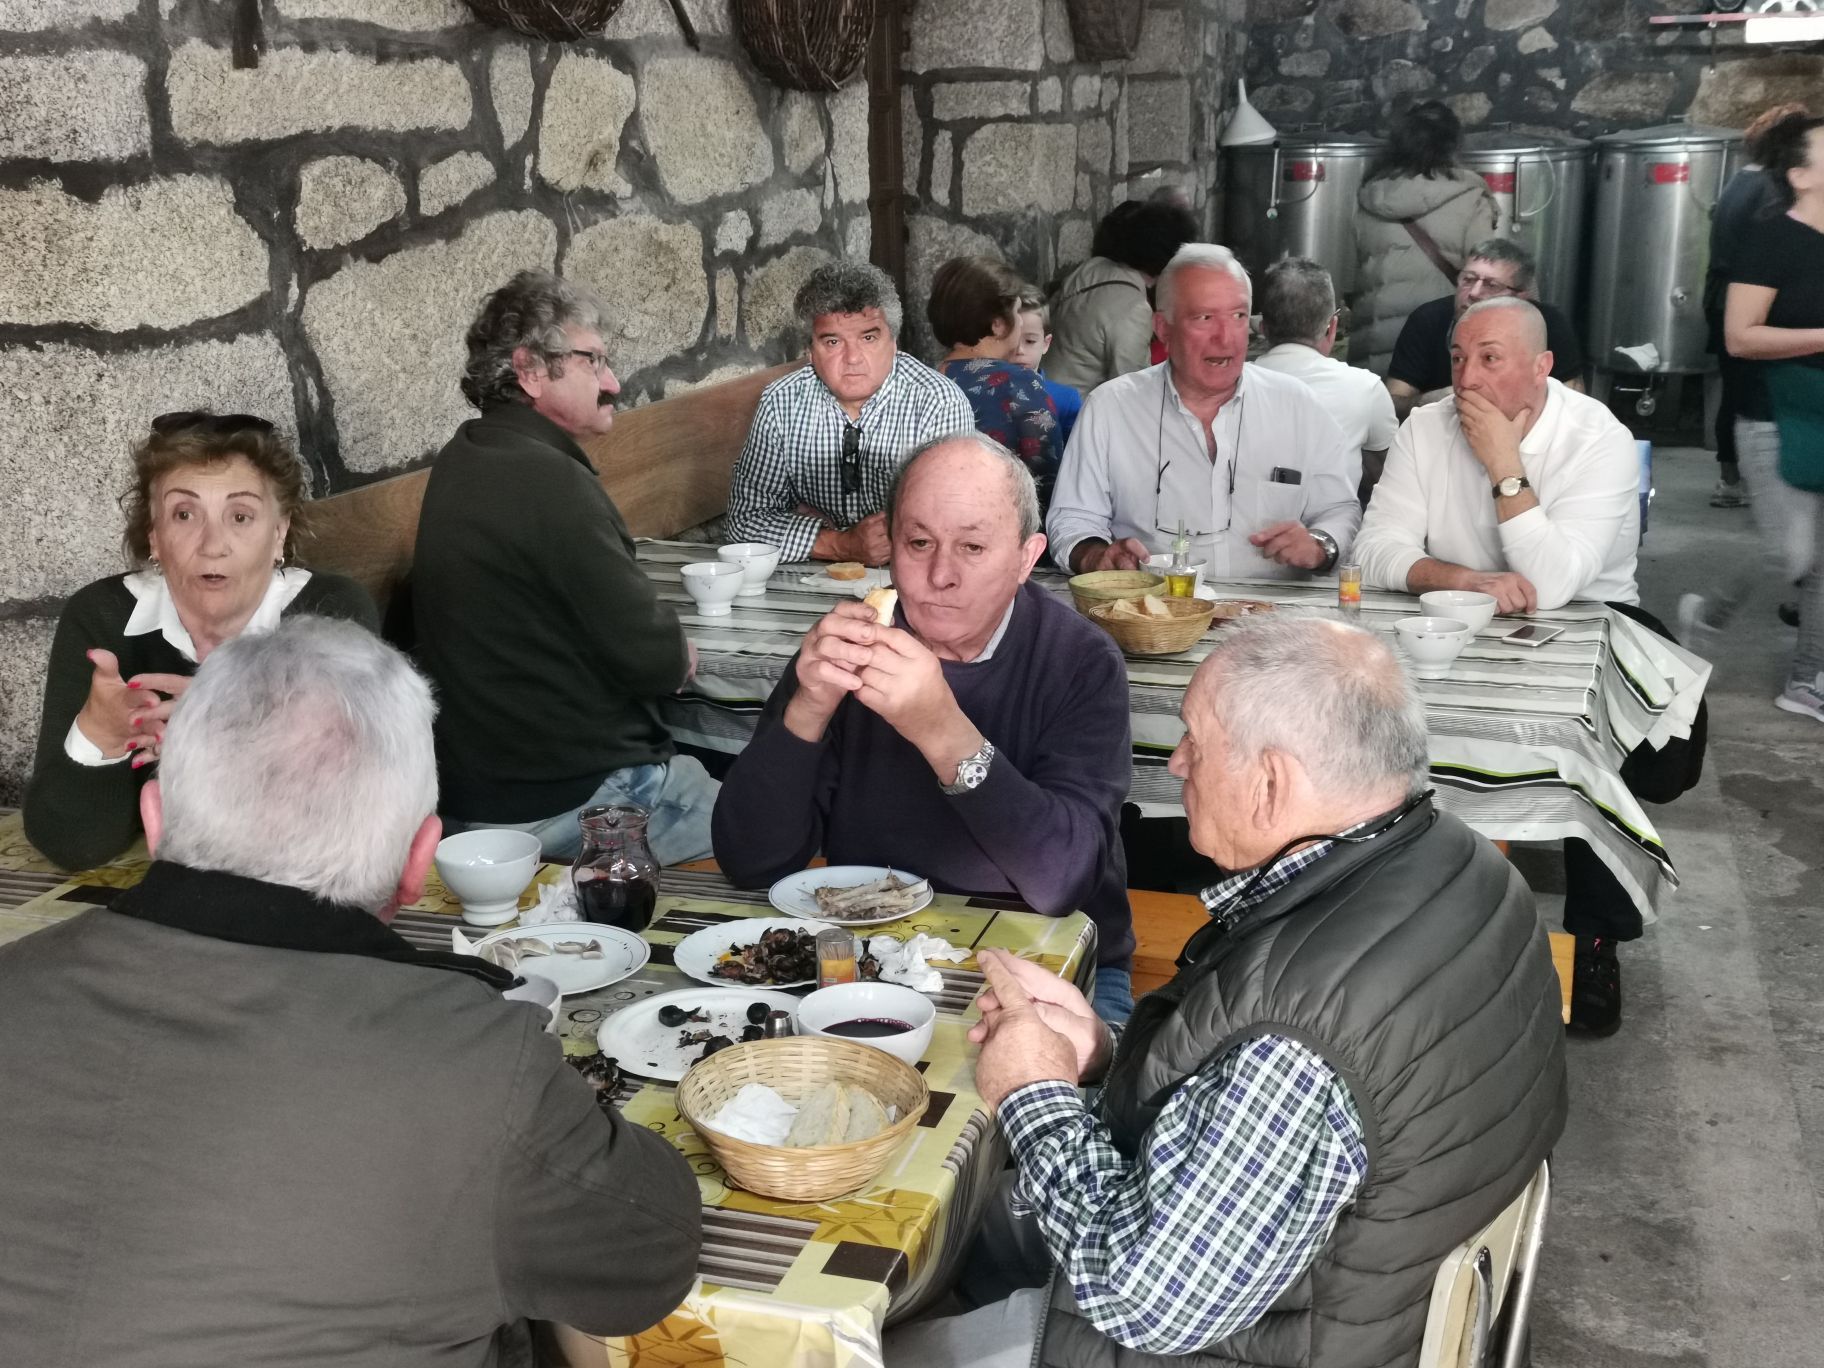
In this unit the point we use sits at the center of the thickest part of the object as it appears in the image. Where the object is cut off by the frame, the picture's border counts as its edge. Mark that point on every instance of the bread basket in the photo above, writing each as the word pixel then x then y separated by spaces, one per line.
pixel 1187 619
pixel 792 1067
pixel 1106 586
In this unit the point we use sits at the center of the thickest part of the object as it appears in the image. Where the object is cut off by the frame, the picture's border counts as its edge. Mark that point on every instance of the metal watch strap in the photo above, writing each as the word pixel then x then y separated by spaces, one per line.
pixel 972 770
pixel 1331 549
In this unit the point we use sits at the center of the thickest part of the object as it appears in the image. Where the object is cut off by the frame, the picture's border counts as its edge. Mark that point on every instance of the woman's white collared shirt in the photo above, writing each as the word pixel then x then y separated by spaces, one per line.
pixel 154 610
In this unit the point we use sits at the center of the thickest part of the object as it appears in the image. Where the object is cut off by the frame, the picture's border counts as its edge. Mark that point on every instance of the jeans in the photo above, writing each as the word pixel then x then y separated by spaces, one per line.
pixel 679 795
pixel 1113 994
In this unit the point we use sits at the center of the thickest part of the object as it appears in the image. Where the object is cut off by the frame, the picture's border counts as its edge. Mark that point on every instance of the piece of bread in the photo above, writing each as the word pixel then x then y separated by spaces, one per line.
pixel 883 600
pixel 823 1118
pixel 867 1118
pixel 846 570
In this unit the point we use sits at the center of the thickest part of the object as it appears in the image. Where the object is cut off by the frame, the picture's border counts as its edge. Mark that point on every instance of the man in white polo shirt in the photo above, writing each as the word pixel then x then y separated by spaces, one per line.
pixel 1513 486
pixel 1298 316
pixel 1245 460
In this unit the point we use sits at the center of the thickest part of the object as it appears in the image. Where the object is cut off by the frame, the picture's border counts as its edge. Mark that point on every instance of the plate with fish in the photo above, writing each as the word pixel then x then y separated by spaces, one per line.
pixel 661 1037
pixel 578 957
pixel 760 952
pixel 851 895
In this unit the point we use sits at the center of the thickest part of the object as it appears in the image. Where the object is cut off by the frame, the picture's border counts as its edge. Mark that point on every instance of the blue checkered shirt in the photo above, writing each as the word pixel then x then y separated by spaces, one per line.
pixel 1237 1185
pixel 793 455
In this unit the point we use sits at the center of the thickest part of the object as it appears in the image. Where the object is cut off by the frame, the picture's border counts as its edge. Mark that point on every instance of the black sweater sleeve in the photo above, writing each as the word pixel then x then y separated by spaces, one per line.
pixel 770 815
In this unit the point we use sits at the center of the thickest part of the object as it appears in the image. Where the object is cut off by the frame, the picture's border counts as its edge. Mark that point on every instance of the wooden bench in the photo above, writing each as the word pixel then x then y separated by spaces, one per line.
pixel 666 466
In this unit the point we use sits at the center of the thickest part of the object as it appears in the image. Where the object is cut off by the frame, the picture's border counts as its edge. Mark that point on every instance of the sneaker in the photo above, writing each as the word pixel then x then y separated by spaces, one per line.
pixel 1595 988
pixel 1789 613
pixel 1727 495
pixel 1805 699
pixel 1691 625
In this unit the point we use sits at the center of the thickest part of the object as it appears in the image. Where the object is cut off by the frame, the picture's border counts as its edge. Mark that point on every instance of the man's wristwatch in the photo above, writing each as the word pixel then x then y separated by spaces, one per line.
pixel 1328 542
pixel 972 771
pixel 1512 485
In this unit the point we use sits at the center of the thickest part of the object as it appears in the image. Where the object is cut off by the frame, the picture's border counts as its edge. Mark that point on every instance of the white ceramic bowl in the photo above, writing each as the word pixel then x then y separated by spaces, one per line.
pixel 1433 643
pixel 713 584
pixel 487 870
pixel 1158 565
pixel 757 560
pixel 861 1001
pixel 1465 605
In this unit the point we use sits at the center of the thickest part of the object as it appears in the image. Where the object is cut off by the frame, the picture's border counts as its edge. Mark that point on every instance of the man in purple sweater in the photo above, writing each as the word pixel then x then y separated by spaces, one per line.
pixel 981 741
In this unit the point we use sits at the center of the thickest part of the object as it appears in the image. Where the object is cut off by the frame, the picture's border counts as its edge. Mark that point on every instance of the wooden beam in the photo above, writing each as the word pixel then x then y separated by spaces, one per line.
pixel 886 162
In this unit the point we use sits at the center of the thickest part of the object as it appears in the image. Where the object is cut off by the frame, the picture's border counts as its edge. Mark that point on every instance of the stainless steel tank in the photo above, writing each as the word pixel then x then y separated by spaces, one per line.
pixel 1296 197
pixel 1655 190
pixel 1542 187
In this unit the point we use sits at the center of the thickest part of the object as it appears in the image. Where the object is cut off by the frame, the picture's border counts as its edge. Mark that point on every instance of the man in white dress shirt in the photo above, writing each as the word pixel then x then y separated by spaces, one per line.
pixel 1298 315
pixel 1513 486
pixel 1244 459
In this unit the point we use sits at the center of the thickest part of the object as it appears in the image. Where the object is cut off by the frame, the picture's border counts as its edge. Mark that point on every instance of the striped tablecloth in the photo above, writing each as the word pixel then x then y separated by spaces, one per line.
pixel 779 1282
pixel 1526 743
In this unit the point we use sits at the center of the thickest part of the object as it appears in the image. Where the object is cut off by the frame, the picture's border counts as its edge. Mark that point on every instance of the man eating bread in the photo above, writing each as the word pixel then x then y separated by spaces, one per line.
pixel 975 734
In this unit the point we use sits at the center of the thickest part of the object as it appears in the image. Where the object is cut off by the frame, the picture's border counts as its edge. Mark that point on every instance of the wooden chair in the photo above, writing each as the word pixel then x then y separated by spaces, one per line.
pixel 1487 1283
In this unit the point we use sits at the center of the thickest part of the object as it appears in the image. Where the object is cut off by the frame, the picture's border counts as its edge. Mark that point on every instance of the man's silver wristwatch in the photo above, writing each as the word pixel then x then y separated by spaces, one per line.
pixel 1328 542
pixel 1512 485
pixel 971 771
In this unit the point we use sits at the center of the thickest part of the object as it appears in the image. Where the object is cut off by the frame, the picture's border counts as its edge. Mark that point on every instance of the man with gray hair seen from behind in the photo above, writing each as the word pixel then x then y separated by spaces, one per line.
pixel 1299 315
pixel 827 439
pixel 247 1122
pixel 1358 1065
pixel 980 739
pixel 547 643
pixel 1243 459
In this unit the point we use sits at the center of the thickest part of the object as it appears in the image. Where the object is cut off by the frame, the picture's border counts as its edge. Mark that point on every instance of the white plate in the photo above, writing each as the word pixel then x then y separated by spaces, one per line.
pixel 700 951
pixel 634 1038
pixel 795 894
pixel 623 953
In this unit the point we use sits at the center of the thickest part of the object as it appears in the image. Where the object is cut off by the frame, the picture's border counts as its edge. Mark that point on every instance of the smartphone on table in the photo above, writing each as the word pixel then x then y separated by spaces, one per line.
pixel 1532 634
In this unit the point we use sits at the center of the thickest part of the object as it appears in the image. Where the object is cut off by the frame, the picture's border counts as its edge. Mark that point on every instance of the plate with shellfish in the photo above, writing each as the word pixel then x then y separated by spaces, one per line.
pixel 578 957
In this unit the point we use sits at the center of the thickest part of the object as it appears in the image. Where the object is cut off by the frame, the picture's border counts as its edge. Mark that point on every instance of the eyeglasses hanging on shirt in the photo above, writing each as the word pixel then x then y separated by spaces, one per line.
pixel 851 459
pixel 1170 527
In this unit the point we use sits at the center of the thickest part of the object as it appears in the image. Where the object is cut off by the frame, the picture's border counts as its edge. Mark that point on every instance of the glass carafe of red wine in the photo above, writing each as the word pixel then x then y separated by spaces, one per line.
pixel 617 880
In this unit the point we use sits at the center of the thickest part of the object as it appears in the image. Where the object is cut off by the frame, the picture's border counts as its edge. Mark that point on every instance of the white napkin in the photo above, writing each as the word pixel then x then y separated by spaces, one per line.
pixel 556 903
pixel 757 1115
pixel 461 944
pixel 907 962
pixel 1646 355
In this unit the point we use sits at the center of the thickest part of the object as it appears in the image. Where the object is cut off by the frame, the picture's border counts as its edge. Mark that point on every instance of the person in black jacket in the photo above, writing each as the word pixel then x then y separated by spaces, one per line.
pixel 214 512
pixel 547 643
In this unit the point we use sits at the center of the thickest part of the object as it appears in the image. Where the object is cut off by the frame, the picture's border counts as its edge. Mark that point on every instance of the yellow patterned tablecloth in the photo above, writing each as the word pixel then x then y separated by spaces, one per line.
pixel 807 1284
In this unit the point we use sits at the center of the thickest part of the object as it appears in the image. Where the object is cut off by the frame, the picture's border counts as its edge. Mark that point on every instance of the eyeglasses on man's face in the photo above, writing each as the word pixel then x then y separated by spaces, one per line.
pixel 598 360
pixel 851 459
pixel 1472 280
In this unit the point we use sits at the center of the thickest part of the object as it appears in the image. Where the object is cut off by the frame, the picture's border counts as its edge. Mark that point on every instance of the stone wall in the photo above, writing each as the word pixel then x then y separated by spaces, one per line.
pixel 1012 144
pixel 308 238
pixel 1582 67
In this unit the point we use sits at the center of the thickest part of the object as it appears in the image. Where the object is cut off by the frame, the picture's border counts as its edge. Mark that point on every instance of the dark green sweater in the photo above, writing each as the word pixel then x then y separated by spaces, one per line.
pixel 545 640
pixel 80 816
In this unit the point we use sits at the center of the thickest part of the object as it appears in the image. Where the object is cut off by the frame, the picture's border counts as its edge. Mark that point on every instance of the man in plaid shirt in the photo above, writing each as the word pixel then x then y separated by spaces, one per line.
pixel 1276 1164
pixel 827 439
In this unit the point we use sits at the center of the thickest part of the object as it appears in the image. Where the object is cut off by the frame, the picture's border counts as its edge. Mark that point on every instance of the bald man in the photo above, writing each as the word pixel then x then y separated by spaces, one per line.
pixel 1513 486
pixel 980 740
pixel 1276 1162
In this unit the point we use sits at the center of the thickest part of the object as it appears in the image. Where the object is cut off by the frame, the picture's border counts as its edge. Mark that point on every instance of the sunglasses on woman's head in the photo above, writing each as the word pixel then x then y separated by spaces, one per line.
pixel 216 424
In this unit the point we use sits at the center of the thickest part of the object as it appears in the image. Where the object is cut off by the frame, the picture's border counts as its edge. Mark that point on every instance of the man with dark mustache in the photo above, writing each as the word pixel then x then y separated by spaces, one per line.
pixel 546 641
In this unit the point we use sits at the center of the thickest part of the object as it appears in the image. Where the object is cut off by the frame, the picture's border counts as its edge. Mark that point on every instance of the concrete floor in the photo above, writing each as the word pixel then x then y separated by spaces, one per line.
pixel 1685 1226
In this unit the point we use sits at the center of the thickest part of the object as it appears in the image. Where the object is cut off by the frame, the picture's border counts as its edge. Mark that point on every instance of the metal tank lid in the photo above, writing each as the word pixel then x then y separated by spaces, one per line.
pixel 1335 144
pixel 1672 134
pixel 1512 140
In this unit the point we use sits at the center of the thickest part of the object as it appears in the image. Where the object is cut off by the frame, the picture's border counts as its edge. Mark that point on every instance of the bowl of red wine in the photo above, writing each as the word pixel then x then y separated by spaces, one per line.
pixel 884 1015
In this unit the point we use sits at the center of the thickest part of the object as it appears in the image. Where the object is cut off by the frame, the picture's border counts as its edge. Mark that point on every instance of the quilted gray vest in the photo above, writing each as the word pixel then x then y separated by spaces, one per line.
pixel 1415 966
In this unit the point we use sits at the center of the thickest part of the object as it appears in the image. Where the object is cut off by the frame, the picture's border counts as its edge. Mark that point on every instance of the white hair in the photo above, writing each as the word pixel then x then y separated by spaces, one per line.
pixel 1530 323
pixel 301 757
pixel 1204 256
pixel 1331 694
pixel 1021 489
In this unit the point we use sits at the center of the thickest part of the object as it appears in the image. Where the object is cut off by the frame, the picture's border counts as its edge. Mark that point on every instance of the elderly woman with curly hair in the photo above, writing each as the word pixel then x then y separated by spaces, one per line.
pixel 213 513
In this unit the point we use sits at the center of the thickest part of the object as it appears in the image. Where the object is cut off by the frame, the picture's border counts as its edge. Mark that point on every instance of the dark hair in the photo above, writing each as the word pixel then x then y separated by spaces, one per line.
pixel 847 287
pixel 1422 142
pixel 199 438
pixel 968 295
pixel 1143 234
pixel 1754 136
pixel 1297 301
pixel 530 311
pixel 1786 147
pixel 1510 253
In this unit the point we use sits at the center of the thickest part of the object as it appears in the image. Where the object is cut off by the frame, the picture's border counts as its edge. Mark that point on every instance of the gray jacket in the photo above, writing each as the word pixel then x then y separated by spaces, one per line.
pixel 1101 325
pixel 324 1151
pixel 1415 966
pixel 1456 211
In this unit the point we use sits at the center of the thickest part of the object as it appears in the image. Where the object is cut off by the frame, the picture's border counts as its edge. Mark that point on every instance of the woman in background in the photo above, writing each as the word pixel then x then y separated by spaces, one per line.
pixel 1102 317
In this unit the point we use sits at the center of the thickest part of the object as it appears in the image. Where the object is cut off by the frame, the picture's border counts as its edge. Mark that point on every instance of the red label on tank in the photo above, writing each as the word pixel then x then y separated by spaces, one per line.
pixel 1501 182
pixel 1669 173
pixel 1304 170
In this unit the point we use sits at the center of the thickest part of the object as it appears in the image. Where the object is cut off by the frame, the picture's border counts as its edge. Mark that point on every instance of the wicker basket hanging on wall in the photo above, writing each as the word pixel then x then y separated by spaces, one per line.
pixel 805 44
pixel 1105 30
pixel 560 19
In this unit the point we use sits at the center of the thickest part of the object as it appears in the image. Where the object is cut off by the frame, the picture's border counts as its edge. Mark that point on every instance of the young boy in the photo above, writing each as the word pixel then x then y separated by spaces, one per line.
pixel 1033 341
